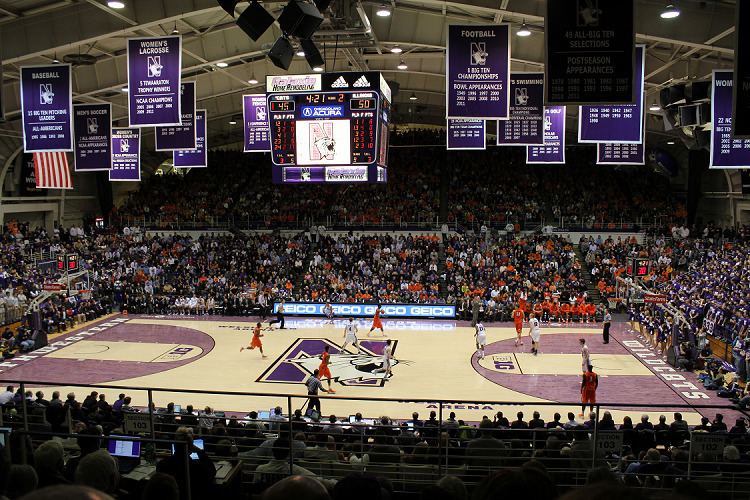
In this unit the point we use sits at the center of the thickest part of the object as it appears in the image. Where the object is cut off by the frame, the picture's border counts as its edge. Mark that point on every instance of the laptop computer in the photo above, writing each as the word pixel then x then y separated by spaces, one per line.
pixel 127 452
pixel 198 443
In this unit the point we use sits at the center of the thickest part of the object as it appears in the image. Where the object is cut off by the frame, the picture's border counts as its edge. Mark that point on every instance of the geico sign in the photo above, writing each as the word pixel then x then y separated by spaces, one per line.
pixel 443 311
pixel 365 310
pixel 301 308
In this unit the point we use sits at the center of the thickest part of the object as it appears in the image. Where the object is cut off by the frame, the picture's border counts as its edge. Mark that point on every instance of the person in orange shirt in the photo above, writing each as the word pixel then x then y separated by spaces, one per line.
pixel 546 305
pixel 591 312
pixel 376 323
pixel 255 342
pixel 589 384
pixel 323 370
pixel 538 310
pixel 565 308
pixel 554 310
pixel 518 321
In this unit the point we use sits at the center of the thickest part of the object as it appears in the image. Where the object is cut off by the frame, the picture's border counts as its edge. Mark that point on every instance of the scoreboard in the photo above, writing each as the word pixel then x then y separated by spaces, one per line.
pixel 637 267
pixel 329 127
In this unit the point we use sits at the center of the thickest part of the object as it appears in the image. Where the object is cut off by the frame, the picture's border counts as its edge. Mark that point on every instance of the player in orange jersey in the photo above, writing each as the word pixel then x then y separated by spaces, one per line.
pixel 376 323
pixel 565 313
pixel 589 384
pixel 591 312
pixel 255 342
pixel 518 321
pixel 554 311
pixel 323 370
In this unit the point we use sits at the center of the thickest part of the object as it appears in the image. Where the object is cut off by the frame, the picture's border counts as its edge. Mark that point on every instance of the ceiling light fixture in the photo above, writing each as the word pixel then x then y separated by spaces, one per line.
pixel 175 31
pixel 253 80
pixel 383 11
pixel 671 143
pixel 222 64
pixel 232 122
pixel 670 12
pixel 413 97
pixel 55 60
pixel 654 107
pixel 114 4
pixel 402 65
pixel 124 89
pixel 396 49
pixel 300 53
pixel 318 69
pixel 523 30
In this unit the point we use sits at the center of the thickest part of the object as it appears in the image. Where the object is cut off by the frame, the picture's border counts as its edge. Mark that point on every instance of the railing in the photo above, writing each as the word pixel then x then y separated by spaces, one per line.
pixel 412 455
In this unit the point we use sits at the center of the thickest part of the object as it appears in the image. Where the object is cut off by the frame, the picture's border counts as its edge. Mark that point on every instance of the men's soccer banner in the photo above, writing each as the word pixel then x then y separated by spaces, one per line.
pixel 126 154
pixel 589 56
pixel 92 127
pixel 154 77
pixel 47 108
pixel 255 119
pixel 466 134
pixel 613 153
pixel 553 150
pixel 726 150
pixel 741 111
pixel 478 75
pixel 194 157
pixel 616 123
pixel 182 136
pixel 525 126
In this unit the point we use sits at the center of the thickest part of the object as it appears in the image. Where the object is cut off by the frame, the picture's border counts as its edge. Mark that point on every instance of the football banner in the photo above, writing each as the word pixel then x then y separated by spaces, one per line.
pixel 525 124
pixel 466 134
pixel 478 73
pixel 180 136
pixel 609 153
pixel 255 119
pixel 126 154
pixel 154 77
pixel 194 157
pixel 92 129
pixel 616 123
pixel 590 51
pixel 726 150
pixel 47 108
pixel 553 150
pixel 741 109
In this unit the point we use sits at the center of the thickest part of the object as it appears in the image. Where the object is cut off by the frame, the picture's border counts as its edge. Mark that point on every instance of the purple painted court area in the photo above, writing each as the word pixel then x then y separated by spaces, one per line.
pixel 61 371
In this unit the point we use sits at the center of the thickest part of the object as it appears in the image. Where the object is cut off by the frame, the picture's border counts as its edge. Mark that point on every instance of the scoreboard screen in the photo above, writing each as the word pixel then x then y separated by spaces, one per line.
pixel 329 128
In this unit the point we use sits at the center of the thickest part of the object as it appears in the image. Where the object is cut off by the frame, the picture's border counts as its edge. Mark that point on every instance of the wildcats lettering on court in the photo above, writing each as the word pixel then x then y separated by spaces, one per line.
pixel 666 372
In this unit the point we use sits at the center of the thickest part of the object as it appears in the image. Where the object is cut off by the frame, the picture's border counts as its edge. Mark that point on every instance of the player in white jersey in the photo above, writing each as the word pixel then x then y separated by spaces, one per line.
pixel 585 356
pixel 387 357
pixel 480 335
pixel 350 336
pixel 535 332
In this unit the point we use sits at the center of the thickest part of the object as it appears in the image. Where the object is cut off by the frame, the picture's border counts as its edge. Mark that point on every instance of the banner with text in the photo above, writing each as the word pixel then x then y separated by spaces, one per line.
pixel 154 77
pixel 255 118
pixel 194 157
pixel 524 127
pixel 92 129
pixel 478 75
pixel 590 52
pixel 47 108
pixel 608 153
pixel 466 134
pixel 126 154
pixel 741 109
pixel 553 150
pixel 726 150
pixel 368 310
pixel 181 136
pixel 616 123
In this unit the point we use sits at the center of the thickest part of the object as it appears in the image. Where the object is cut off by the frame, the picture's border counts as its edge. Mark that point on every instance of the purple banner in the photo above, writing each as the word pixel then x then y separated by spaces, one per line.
pixel 478 75
pixel 613 153
pixel 92 127
pixel 126 154
pixel 726 151
pixel 183 136
pixel 616 123
pixel 154 76
pixel 255 118
pixel 553 150
pixel 741 115
pixel 525 125
pixel 466 134
pixel 47 108
pixel 194 157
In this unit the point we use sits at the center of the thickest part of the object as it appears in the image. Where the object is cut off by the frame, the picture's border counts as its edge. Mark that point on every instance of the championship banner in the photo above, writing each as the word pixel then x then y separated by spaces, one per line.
pixel 466 134
pixel 553 150
pixel 616 123
pixel 2 105
pixel 255 119
pixel 47 108
pixel 525 124
pixel 126 154
pixel 741 109
pixel 478 73
pixel 194 157
pixel 92 129
pixel 183 136
pixel 726 151
pixel 154 66
pixel 28 176
pixel 589 52
pixel 613 153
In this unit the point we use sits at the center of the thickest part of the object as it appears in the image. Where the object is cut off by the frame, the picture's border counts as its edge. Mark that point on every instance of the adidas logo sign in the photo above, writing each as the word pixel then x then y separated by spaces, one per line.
pixel 340 83
pixel 361 82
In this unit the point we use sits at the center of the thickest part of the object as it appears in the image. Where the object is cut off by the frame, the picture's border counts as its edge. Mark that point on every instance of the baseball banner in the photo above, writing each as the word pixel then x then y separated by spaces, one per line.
pixel 154 77
pixel 609 153
pixel 47 108
pixel 726 150
pixel 466 134
pixel 553 150
pixel 92 129
pixel 182 136
pixel 525 126
pixel 255 118
pixel 126 154
pixel 194 157
pixel 478 74
pixel 741 108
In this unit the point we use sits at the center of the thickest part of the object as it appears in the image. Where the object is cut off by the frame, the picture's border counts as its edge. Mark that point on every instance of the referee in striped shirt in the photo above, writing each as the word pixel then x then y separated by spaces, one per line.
pixel 314 384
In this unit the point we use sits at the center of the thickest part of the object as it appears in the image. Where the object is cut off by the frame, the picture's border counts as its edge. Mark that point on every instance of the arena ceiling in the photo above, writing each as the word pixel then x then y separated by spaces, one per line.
pixel 39 31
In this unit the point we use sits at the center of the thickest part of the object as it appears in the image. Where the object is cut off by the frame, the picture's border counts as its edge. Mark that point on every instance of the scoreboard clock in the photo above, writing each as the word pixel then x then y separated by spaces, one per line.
pixel 329 127
pixel 638 267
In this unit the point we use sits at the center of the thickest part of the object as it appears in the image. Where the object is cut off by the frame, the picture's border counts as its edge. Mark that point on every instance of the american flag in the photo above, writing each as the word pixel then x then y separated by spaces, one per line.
pixel 51 171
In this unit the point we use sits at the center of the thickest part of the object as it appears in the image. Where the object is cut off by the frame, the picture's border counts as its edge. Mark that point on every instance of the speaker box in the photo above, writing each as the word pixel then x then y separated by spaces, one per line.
pixel 300 19
pixel 255 20
pixel 228 6
pixel 281 53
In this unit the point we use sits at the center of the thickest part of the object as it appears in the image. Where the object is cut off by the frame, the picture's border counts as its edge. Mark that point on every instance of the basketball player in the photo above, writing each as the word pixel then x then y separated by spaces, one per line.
pixel 480 336
pixel 350 336
pixel 387 357
pixel 518 320
pixel 589 384
pixel 535 332
pixel 323 369
pixel 255 342
pixel 585 355
pixel 376 323
pixel 328 310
